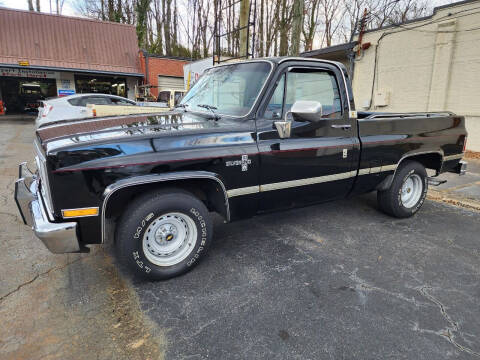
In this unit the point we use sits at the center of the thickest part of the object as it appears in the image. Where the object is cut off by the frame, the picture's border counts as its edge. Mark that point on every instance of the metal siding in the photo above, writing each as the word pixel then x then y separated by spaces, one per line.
pixel 60 41
pixel 170 83
pixel 435 67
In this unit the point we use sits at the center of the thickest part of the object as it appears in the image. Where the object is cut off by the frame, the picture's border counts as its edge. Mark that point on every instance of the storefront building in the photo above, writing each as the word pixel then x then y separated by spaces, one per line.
pixel 44 55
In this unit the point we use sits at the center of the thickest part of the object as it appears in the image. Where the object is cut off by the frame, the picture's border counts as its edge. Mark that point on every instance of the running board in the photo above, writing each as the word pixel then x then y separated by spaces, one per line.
pixel 435 182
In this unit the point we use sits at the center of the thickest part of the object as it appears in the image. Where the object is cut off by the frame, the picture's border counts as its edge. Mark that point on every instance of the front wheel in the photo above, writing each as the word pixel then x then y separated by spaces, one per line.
pixel 163 234
pixel 407 191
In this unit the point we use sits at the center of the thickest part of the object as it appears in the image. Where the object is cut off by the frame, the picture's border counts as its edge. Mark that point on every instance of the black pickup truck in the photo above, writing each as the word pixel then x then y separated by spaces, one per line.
pixel 248 138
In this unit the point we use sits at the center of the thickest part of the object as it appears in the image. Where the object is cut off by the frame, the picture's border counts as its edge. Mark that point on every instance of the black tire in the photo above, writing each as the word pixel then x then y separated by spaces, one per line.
pixel 155 207
pixel 390 200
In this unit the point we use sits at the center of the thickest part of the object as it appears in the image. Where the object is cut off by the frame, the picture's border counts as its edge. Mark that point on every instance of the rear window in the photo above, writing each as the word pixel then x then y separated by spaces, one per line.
pixel 164 96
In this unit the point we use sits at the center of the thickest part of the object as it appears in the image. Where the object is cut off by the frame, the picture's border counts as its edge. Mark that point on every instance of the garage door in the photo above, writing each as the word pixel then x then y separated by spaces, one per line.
pixel 170 83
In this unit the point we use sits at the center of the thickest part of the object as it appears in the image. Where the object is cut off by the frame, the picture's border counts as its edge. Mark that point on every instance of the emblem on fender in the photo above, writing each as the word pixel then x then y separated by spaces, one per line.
pixel 244 162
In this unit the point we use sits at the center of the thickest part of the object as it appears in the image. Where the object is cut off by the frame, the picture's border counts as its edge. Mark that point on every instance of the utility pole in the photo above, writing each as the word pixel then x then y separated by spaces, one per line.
pixel 244 19
pixel 297 26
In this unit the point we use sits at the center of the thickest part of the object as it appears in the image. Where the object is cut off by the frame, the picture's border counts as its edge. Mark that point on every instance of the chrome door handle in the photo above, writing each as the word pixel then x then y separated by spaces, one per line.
pixel 344 126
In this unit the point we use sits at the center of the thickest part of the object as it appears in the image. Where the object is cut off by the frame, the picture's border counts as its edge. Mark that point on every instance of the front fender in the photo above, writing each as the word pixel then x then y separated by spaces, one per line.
pixel 160 178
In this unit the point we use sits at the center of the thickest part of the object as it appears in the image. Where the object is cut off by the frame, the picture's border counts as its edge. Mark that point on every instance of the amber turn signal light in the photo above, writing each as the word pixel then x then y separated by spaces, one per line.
pixel 69 213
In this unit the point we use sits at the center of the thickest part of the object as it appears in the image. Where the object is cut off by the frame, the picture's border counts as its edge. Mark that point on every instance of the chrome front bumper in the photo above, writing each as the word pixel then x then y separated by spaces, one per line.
pixel 57 237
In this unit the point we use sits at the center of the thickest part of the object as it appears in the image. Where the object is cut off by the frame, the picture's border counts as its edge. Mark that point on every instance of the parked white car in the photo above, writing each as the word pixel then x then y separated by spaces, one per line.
pixel 74 107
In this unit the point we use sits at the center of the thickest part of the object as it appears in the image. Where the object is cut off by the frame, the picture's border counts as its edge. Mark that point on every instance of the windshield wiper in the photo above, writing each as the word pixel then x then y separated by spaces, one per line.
pixel 211 108
pixel 183 106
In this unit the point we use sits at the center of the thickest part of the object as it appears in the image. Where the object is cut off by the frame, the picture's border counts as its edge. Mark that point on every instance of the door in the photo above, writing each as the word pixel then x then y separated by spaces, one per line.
pixel 170 83
pixel 316 162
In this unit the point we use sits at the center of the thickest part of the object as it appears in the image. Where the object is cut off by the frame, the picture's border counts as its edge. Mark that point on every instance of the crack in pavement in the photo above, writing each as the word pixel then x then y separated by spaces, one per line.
pixel 40 275
pixel 448 332
pixel 363 285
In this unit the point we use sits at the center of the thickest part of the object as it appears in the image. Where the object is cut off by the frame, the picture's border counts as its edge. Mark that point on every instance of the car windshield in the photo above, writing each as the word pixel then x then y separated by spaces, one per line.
pixel 229 89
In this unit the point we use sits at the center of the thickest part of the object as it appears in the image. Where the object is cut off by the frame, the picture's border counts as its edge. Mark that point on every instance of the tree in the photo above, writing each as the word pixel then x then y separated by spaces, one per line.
pixel 243 25
pixel 297 27
pixel 310 26
pixel 30 5
pixel 142 13
pixel 187 27
pixel 284 27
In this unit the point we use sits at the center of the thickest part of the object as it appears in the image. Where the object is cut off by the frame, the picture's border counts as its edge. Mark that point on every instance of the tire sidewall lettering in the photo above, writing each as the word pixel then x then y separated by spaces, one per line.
pixel 137 254
pixel 202 226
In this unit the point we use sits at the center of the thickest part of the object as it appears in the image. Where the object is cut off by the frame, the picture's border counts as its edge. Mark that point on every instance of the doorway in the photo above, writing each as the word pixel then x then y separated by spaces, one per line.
pixel 23 95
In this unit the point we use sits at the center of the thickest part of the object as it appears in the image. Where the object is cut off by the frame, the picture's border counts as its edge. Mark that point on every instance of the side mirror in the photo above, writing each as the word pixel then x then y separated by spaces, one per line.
pixel 303 110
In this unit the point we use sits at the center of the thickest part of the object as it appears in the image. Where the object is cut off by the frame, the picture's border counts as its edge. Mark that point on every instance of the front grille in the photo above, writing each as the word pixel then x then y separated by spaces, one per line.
pixel 44 186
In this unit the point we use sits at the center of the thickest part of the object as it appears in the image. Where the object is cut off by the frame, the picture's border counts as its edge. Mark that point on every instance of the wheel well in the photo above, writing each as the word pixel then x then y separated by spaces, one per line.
pixel 210 192
pixel 429 161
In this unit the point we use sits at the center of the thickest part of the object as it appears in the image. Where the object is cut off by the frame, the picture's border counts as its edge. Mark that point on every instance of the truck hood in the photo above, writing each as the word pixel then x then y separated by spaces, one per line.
pixel 90 131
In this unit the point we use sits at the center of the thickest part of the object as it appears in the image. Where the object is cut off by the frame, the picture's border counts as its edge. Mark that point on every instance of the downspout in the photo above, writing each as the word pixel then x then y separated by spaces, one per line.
pixel 145 56
pixel 351 59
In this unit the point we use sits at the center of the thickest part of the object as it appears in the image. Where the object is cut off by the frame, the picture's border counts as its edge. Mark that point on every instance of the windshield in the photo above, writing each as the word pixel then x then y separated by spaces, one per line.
pixel 230 89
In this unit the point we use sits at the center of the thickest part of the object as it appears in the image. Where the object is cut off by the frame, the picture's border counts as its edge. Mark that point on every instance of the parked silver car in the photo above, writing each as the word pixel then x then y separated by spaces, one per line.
pixel 74 106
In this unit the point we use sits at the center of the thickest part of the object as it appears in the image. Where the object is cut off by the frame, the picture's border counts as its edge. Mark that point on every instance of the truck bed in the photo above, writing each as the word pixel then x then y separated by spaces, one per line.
pixel 436 139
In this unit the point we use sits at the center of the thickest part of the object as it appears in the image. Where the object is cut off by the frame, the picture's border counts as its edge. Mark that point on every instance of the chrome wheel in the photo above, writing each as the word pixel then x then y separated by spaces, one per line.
pixel 169 239
pixel 411 190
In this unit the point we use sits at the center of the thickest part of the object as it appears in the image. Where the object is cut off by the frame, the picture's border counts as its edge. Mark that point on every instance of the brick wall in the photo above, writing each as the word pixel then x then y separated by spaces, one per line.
pixel 161 66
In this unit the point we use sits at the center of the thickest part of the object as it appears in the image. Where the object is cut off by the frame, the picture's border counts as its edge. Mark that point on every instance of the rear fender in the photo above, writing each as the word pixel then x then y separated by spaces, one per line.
pixel 429 159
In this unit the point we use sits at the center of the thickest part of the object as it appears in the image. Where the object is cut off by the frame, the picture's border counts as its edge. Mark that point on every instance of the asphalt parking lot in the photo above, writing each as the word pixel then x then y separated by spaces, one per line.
pixel 334 281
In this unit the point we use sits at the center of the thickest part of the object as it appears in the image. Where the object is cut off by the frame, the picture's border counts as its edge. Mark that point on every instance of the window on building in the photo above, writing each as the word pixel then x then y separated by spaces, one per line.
pixel 100 84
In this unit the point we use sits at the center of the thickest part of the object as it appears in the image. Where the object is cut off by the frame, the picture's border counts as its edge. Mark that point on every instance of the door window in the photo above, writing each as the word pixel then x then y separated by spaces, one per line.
pixel 95 100
pixel 274 108
pixel 116 101
pixel 321 86
pixel 178 97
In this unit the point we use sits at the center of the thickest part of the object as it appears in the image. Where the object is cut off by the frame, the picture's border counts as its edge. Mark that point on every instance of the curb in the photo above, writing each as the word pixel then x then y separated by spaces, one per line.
pixel 444 197
pixel 472 155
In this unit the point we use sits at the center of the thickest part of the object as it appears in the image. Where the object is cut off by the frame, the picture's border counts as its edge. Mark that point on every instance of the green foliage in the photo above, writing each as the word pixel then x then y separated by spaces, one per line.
pixel 176 50
pixel 182 51
pixel 154 47
pixel 141 9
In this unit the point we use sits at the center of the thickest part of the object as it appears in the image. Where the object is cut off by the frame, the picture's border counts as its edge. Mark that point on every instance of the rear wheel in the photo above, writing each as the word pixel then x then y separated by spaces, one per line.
pixel 163 234
pixel 407 191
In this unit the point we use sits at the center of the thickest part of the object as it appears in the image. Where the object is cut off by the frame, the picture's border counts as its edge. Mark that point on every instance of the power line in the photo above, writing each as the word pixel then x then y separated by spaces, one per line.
pixel 413 28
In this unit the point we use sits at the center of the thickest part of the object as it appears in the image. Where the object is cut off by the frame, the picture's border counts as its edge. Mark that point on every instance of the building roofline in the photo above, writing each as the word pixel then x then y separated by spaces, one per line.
pixel 330 49
pixel 423 18
pixel 179 58
pixel 76 70
pixel 3 8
